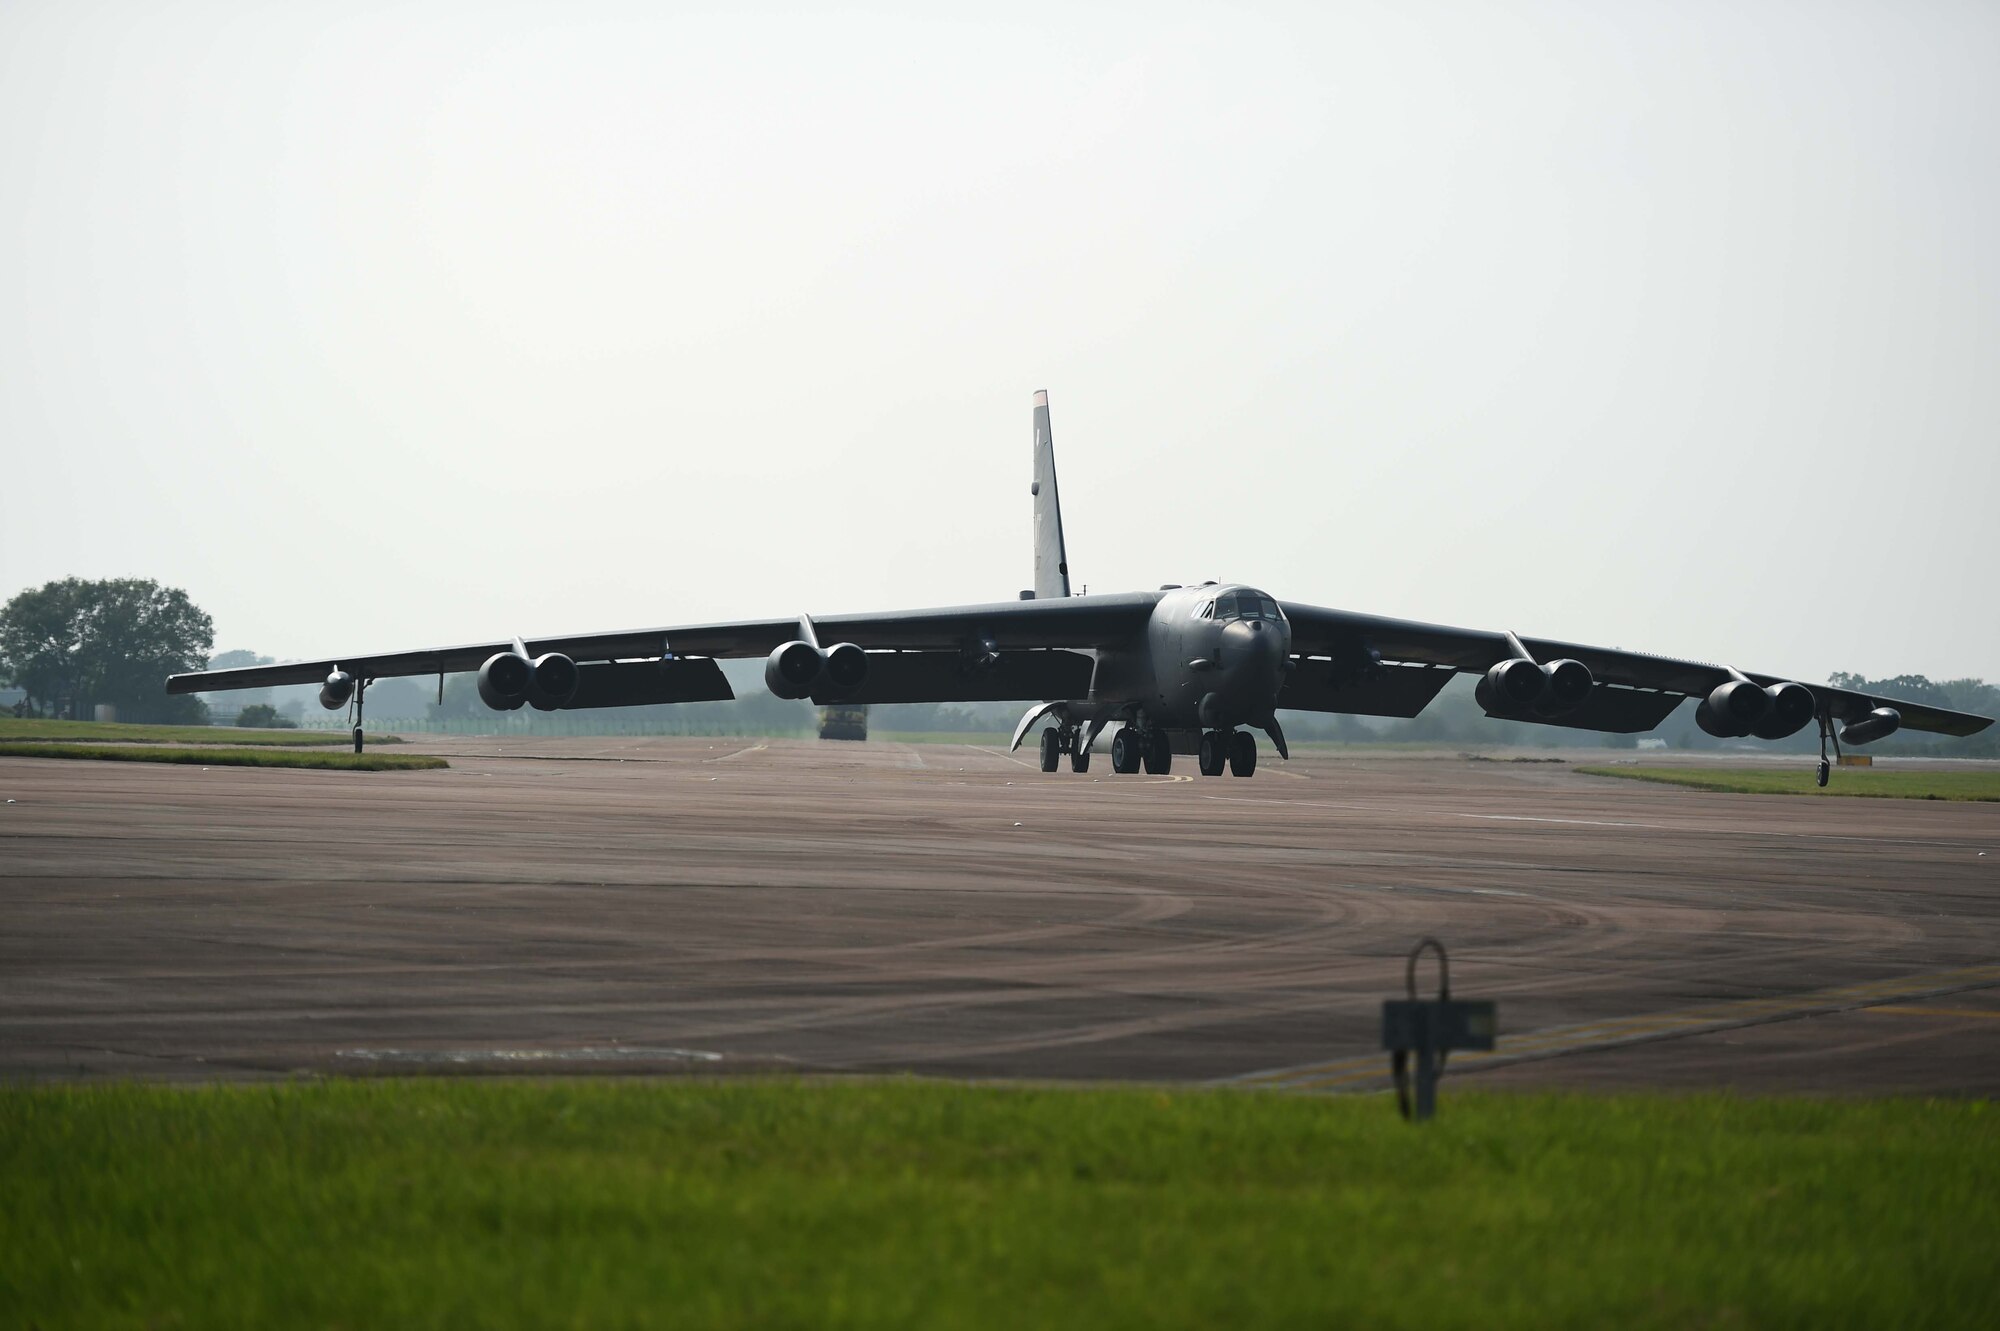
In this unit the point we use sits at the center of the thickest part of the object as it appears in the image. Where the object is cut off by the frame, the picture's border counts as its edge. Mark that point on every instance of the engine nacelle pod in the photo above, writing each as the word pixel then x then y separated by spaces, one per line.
pixel 1878 724
pixel 1569 683
pixel 339 687
pixel 793 670
pixel 846 668
pixel 1732 710
pixel 1510 688
pixel 505 681
pixel 1790 707
pixel 552 681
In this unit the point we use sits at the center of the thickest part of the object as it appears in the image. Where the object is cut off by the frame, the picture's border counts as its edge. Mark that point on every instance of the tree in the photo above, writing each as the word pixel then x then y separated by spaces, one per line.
pixel 263 716
pixel 74 643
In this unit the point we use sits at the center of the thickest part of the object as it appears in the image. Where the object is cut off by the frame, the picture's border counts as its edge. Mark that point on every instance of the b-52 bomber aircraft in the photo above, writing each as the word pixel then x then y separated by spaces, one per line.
pixel 1181 670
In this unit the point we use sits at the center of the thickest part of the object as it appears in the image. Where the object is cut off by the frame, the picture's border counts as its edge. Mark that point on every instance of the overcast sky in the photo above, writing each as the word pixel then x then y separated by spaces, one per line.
pixel 1668 326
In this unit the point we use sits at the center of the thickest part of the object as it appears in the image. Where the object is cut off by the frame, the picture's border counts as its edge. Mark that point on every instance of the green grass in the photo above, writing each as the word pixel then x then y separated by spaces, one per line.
pixel 452 1203
pixel 1919 784
pixel 103 732
pixel 223 757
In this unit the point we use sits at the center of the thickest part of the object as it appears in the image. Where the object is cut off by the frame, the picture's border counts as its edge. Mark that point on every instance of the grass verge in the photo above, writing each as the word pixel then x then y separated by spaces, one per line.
pixel 103 732
pixel 448 1203
pixel 223 757
pixel 1868 782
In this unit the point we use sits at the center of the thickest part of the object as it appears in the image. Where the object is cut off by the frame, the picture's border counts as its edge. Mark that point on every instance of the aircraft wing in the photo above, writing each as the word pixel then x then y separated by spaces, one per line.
pixel 1009 627
pixel 1633 691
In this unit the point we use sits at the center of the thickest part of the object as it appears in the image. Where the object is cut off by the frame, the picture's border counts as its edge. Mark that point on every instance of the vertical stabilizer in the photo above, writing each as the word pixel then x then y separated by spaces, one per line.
pixel 1051 560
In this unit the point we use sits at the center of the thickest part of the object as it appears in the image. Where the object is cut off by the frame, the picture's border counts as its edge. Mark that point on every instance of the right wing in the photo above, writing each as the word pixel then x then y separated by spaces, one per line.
pixel 935 650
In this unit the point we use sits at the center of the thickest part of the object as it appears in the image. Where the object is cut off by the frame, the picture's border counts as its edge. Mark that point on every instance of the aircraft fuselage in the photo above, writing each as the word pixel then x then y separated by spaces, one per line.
pixel 1212 656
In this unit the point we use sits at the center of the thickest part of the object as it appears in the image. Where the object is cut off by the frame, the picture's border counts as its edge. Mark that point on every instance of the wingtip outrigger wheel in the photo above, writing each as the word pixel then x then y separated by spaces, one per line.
pixel 361 683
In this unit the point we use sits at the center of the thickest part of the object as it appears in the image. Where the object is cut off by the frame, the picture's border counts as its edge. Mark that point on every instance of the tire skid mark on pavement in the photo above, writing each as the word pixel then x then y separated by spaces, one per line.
pixel 737 753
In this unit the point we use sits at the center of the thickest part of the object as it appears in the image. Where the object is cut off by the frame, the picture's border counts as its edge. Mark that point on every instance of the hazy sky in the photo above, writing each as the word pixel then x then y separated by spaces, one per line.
pixel 1669 326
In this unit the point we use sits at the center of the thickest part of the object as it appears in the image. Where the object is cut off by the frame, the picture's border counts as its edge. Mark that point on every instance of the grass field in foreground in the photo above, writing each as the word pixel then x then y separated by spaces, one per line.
pixel 1918 784
pixel 223 757
pixel 112 732
pixel 450 1203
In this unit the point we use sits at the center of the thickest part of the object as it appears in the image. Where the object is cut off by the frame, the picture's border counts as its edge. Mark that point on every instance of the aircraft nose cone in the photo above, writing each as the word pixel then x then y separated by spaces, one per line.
pixel 1253 655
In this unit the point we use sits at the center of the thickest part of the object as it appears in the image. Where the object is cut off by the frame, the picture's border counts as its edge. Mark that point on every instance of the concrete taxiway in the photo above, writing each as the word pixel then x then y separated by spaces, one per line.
pixel 695 905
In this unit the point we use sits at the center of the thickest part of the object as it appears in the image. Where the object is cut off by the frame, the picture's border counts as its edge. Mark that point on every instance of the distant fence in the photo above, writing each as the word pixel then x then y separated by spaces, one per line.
pixel 549 723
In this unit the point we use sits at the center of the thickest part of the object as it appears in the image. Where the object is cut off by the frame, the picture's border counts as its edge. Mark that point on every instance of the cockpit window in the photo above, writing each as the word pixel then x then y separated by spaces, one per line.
pixel 1246 605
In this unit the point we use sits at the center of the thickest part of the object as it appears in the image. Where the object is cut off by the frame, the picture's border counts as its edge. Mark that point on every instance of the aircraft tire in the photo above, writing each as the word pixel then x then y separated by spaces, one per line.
pixel 1159 753
pixel 1079 757
pixel 1212 752
pixel 1051 750
pixel 1125 751
pixel 1242 754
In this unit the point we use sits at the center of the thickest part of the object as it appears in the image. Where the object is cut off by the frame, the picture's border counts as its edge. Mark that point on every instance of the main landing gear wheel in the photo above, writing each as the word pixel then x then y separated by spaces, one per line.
pixel 1079 757
pixel 1125 751
pixel 1242 753
pixel 1159 753
pixel 1051 749
pixel 1825 769
pixel 1212 752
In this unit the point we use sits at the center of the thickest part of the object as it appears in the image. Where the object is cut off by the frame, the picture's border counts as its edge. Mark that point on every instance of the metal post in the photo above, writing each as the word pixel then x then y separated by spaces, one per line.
pixel 1427 1031
pixel 1427 1083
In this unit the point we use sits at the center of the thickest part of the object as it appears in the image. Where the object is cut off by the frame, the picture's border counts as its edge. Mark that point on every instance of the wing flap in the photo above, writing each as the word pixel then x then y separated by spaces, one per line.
pixel 1613 709
pixel 1017 676
pixel 647 683
pixel 1395 690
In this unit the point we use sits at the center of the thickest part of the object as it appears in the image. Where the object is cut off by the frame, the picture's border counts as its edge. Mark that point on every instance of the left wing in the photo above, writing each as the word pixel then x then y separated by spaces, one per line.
pixel 1630 691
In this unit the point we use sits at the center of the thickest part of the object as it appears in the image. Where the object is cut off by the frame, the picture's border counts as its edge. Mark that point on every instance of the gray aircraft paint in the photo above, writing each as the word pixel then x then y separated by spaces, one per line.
pixel 1174 662
pixel 1051 560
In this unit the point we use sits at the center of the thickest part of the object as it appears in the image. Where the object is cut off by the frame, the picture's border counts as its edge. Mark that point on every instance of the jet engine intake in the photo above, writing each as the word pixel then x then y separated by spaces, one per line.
pixel 505 681
pixel 1732 710
pixel 793 669
pixel 553 680
pixel 339 687
pixel 1569 684
pixel 1878 724
pixel 1521 688
pixel 1790 707
pixel 846 667
pixel 1510 687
